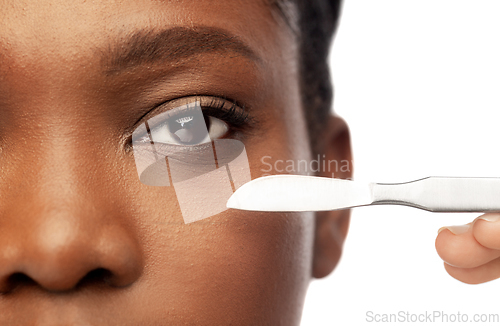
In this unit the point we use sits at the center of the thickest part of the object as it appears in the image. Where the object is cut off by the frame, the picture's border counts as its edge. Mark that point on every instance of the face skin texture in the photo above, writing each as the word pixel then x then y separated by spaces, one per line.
pixel 82 240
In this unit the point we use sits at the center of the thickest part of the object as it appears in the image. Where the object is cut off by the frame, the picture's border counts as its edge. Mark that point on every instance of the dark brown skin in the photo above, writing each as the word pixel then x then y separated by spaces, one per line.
pixel 82 240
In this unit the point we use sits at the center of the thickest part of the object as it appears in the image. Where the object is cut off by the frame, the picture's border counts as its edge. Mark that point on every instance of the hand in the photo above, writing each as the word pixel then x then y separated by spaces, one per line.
pixel 471 252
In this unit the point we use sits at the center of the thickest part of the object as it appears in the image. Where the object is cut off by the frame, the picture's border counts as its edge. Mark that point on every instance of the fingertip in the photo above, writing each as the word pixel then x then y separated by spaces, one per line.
pixel 487 230
pixel 461 249
pixel 445 244
pixel 450 239
pixel 489 217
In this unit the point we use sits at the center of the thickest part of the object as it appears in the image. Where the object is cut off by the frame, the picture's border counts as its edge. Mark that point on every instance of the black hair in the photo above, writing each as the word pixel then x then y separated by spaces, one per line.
pixel 317 22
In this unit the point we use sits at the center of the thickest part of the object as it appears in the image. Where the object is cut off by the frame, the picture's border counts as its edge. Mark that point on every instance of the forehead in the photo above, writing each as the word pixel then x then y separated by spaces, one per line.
pixel 72 30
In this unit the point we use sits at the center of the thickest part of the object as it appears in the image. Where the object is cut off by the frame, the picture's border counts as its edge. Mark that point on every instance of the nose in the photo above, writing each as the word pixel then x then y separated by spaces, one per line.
pixel 60 252
pixel 60 233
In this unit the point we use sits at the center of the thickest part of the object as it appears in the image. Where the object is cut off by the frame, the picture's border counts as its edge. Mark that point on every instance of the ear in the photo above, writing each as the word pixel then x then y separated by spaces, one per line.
pixel 332 226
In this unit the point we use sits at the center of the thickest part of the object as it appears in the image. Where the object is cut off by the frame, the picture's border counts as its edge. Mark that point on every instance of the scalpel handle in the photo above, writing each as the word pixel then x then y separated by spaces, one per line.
pixel 442 194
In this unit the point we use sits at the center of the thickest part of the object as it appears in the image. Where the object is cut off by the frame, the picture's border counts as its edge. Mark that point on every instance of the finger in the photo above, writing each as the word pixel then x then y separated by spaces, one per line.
pixel 457 246
pixel 486 230
pixel 476 275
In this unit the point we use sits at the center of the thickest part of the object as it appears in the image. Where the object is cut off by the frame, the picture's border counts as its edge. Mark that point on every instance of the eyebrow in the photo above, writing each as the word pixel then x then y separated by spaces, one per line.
pixel 173 45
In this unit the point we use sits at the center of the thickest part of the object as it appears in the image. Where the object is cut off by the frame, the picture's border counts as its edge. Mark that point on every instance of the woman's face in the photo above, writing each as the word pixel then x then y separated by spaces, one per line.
pixel 82 240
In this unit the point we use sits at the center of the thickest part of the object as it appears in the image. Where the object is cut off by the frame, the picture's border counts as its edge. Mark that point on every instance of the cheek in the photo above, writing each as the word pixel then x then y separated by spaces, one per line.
pixel 235 265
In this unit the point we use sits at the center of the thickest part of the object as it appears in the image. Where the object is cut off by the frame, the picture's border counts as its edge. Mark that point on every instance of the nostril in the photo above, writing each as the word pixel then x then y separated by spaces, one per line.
pixel 21 278
pixel 16 280
pixel 96 277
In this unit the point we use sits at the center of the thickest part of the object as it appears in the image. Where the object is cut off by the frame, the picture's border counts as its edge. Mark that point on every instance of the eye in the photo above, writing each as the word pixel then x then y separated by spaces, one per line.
pixel 191 128
pixel 195 122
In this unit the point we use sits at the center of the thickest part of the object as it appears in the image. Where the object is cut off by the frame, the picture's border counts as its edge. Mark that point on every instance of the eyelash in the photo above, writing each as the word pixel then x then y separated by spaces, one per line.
pixel 235 115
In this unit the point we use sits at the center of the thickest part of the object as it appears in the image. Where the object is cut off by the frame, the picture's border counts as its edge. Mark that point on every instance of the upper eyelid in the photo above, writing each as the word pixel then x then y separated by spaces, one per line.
pixel 173 111
pixel 205 102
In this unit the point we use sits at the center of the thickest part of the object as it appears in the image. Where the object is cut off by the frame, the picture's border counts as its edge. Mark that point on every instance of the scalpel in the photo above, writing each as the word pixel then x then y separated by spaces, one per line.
pixel 296 193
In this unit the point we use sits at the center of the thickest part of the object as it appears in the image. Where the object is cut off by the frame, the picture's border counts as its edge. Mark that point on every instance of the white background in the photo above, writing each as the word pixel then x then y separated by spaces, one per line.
pixel 419 83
